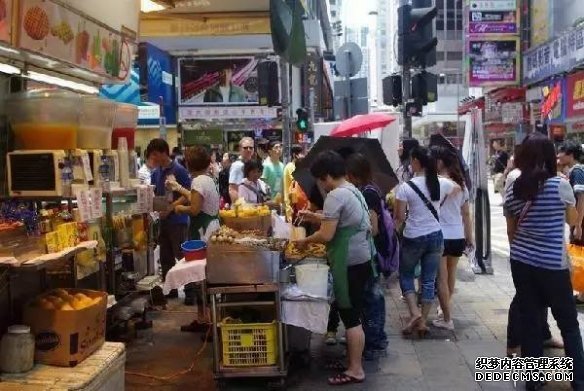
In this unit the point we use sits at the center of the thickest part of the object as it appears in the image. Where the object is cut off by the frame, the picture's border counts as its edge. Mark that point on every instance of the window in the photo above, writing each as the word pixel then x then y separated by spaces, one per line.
pixel 334 14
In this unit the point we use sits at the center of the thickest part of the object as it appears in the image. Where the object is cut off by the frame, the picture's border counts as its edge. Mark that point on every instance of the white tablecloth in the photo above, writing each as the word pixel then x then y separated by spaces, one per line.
pixel 309 315
pixel 183 273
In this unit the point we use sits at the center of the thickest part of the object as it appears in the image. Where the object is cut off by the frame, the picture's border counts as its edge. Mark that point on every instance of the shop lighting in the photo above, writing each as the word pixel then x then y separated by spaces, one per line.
pixel 9 69
pixel 150 6
pixel 42 78
pixel 9 50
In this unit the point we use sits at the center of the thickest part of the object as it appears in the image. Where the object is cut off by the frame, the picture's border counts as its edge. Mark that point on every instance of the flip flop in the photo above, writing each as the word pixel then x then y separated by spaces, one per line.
pixel 342 379
pixel 335 365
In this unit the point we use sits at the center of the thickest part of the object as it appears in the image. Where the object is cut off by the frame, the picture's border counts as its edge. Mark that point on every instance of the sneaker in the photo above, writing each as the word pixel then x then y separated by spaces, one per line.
pixel 442 324
pixel 330 338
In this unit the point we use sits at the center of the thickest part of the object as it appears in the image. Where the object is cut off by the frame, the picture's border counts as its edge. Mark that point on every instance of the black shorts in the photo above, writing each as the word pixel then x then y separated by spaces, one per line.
pixel 454 247
pixel 358 276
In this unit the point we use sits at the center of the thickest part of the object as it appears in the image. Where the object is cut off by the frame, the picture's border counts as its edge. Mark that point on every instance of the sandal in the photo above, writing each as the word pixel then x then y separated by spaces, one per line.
pixel 335 365
pixel 411 326
pixel 343 379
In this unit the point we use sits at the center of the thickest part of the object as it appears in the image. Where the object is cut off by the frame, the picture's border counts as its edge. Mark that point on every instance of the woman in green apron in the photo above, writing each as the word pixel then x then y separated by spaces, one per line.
pixel 345 227
pixel 201 203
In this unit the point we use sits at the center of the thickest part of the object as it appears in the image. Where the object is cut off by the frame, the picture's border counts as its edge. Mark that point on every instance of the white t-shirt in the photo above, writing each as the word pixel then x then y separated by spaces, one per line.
pixel 420 220
pixel 206 187
pixel 236 173
pixel 451 215
pixel 250 196
pixel 225 93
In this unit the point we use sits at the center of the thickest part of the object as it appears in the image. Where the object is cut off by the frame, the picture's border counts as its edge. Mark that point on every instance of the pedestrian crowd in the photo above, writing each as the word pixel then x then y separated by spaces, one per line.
pixel 418 233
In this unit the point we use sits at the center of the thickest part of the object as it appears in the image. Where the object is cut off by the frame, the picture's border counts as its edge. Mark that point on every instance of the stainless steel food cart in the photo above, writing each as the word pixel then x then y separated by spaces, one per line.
pixel 232 273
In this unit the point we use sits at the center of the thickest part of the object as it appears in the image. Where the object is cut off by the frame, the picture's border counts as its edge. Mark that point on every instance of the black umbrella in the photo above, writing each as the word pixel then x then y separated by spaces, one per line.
pixel 441 141
pixel 383 174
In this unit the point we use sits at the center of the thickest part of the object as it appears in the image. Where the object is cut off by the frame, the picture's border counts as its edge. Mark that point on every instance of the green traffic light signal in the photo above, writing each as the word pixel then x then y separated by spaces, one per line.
pixel 302 125
pixel 302 120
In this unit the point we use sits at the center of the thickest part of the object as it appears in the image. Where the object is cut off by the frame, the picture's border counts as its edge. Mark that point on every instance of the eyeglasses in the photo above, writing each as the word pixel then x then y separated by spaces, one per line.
pixel 247 148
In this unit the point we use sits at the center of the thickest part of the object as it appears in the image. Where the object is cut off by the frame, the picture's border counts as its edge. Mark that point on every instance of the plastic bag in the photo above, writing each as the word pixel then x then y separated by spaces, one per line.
pixel 282 229
pixel 577 262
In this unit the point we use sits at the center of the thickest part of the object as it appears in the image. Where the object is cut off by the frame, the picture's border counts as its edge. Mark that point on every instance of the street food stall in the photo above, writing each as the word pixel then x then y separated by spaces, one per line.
pixel 259 285
pixel 65 183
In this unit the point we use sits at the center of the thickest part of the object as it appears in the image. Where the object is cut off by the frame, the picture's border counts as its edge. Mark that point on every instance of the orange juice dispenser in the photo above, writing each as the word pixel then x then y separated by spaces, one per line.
pixel 44 119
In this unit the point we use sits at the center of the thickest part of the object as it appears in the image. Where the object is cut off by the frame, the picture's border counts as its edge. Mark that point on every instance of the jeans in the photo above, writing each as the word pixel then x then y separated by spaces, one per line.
pixel 427 251
pixel 538 288
pixel 374 316
pixel 514 325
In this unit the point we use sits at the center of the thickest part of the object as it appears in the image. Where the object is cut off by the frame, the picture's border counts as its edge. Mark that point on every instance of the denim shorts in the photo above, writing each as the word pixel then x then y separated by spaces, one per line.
pixel 424 250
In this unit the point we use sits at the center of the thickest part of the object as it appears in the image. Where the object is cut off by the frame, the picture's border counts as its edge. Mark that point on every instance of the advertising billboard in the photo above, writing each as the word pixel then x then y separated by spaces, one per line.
pixel 493 61
pixel 218 81
pixel 493 17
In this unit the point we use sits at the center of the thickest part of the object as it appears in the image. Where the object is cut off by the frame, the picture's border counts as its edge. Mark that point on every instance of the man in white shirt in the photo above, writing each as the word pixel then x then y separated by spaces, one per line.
pixel 145 171
pixel 226 91
pixel 236 176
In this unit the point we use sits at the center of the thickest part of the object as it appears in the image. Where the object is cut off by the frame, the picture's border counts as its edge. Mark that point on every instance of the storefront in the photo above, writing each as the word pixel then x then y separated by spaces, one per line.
pixel 575 106
pixel 69 211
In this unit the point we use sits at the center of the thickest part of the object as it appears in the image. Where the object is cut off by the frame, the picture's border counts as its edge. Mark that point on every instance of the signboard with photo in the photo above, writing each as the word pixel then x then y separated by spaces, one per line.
pixel 493 17
pixel 218 81
pixel 493 61
pixel 60 33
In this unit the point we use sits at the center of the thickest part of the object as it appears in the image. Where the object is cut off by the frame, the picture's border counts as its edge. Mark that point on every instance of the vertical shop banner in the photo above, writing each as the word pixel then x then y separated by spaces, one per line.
pixel 218 81
pixel 557 56
pixel 313 73
pixel 575 95
pixel 6 21
pixel 539 13
pixel 493 17
pixel 493 61
pixel 60 33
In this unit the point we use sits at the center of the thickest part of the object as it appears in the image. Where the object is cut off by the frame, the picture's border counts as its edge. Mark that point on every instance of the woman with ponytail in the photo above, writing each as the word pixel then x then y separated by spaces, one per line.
pixel 423 242
pixel 537 207
pixel 456 229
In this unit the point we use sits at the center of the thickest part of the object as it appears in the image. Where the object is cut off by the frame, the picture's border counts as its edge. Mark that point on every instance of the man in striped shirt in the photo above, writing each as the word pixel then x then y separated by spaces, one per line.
pixel 569 155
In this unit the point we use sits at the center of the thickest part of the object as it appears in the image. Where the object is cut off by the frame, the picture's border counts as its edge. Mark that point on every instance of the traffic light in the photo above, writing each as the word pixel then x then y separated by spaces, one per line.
pixel 392 90
pixel 425 87
pixel 302 120
pixel 416 40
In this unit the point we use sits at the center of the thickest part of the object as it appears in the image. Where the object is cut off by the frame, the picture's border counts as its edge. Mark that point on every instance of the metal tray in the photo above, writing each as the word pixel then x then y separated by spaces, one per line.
pixel 227 265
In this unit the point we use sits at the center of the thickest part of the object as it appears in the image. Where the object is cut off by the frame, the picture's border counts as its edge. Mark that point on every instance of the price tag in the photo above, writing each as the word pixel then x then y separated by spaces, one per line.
pixel 84 205
pixel 142 205
pixel 96 195
pixel 86 167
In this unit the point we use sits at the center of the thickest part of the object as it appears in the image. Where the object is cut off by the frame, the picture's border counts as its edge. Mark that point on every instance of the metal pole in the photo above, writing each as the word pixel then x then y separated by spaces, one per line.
pixel 285 100
pixel 349 89
pixel 406 95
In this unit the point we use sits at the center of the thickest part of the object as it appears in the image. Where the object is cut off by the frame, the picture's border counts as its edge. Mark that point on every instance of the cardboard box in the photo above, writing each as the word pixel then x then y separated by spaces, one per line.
pixel 66 338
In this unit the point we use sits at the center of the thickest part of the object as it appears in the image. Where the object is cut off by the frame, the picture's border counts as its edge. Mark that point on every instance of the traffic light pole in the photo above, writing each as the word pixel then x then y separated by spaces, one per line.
pixel 285 101
pixel 406 93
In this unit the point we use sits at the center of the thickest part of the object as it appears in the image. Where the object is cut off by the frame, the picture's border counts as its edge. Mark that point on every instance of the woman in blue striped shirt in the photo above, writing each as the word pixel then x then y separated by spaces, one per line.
pixel 538 206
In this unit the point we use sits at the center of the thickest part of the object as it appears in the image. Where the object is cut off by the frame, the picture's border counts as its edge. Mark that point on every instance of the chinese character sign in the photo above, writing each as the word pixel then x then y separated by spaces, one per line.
pixel 556 56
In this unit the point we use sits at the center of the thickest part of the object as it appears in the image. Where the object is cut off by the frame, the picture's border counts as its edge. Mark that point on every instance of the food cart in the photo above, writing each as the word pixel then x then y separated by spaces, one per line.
pixel 247 278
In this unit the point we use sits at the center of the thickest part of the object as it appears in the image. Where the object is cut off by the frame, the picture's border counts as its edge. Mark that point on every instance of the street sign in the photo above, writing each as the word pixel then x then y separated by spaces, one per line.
pixel 349 59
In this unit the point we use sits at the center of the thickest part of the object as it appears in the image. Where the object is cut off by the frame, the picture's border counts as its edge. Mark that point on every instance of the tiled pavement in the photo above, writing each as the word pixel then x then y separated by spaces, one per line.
pixel 444 361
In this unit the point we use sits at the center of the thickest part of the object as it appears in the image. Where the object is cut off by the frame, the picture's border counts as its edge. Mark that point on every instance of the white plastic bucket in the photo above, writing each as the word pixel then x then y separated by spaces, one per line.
pixel 313 279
